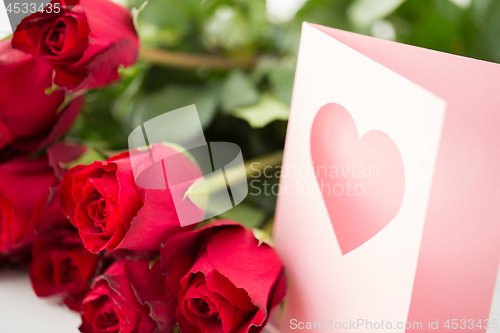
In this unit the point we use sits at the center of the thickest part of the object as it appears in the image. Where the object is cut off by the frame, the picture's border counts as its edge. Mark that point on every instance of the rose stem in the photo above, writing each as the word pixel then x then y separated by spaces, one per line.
pixel 216 182
pixel 193 61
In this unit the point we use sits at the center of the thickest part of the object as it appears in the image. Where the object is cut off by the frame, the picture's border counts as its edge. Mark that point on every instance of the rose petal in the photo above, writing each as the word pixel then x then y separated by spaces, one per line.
pixel 155 222
pixel 180 251
pixel 153 293
pixel 235 253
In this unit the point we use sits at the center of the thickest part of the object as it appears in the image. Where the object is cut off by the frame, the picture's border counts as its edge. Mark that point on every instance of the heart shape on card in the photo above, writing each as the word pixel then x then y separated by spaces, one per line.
pixel 361 179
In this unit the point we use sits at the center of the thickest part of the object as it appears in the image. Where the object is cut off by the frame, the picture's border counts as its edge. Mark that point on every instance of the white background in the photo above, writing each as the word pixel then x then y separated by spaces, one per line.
pixel 5 28
pixel 21 311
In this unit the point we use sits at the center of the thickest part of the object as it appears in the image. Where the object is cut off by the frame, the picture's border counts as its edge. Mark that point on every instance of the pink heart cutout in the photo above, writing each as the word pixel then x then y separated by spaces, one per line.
pixel 361 179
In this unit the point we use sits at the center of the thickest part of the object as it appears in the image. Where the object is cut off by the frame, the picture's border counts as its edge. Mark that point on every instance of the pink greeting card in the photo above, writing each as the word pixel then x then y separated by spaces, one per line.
pixel 388 214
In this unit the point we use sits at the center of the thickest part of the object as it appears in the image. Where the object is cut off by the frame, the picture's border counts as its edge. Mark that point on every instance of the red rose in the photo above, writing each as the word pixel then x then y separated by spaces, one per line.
pixel 85 45
pixel 128 297
pixel 28 117
pixel 28 200
pixel 24 192
pixel 61 265
pixel 104 203
pixel 221 279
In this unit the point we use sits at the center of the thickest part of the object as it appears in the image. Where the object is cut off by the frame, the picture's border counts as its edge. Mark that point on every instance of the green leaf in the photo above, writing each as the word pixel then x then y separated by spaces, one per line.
pixel 255 10
pixel 171 14
pixel 50 90
pixel 153 36
pixel 263 237
pixel 89 157
pixel 125 103
pixel 153 261
pixel 268 226
pixel 282 309
pixel 448 10
pixel 135 15
pixel 266 111
pixel 177 96
pixel 183 151
pixel 492 27
pixel 199 193
pixel 282 76
pixel 228 29
pixel 363 13
pixel 238 90
pixel 249 216
pixel 264 66
pixel 121 2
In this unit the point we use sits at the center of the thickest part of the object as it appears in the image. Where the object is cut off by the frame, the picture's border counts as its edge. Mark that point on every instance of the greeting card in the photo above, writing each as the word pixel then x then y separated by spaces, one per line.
pixel 388 214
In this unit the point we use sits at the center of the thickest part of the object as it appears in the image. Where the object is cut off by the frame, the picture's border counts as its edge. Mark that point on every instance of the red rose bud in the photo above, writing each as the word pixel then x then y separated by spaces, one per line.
pixel 221 279
pixel 128 297
pixel 111 212
pixel 28 117
pixel 28 198
pixel 61 264
pixel 24 193
pixel 85 45
pixel 62 153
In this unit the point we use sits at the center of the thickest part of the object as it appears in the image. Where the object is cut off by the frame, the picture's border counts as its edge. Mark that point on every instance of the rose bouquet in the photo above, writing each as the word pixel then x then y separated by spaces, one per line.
pixel 106 247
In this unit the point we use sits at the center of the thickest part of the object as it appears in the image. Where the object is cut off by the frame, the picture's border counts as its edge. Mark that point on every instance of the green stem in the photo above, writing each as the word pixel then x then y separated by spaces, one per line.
pixel 272 159
pixel 199 192
pixel 193 61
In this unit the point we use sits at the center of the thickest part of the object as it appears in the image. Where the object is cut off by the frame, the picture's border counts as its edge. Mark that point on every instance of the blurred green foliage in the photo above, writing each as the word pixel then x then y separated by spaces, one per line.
pixel 249 106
